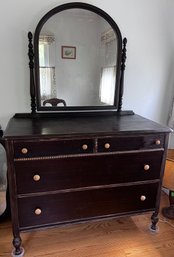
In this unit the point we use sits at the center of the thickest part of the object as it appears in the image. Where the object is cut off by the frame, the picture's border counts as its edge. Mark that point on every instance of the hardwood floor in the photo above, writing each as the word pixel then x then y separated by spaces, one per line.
pixel 124 237
pixel 170 154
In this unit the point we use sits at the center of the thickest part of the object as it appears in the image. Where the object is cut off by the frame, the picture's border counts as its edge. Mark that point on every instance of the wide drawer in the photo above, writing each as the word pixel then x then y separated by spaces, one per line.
pixel 84 205
pixel 123 143
pixel 75 172
pixel 25 149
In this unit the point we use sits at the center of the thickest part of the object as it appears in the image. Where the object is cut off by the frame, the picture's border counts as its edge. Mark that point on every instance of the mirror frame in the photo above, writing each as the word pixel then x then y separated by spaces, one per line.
pixel 36 80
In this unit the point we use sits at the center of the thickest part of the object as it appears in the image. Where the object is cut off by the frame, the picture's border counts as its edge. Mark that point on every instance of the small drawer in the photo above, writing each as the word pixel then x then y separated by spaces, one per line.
pixel 75 172
pixel 78 206
pixel 123 143
pixel 52 147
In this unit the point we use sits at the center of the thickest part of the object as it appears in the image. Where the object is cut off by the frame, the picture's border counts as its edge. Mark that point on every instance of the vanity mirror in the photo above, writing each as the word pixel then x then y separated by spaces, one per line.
pixel 78 61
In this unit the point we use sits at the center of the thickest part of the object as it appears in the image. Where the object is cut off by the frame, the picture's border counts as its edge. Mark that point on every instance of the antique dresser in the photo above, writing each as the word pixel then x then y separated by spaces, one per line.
pixel 78 162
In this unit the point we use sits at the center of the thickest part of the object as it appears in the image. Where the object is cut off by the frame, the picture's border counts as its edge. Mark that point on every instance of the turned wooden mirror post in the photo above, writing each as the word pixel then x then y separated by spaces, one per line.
pixel 31 66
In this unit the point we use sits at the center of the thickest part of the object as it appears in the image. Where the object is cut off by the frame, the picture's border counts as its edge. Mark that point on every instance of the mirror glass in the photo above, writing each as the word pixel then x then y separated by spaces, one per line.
pixel 77 60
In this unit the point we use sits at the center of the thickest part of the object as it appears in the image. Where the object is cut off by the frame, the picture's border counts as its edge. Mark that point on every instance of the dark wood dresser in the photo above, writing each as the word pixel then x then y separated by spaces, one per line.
pixel 69 170
pixel 88 159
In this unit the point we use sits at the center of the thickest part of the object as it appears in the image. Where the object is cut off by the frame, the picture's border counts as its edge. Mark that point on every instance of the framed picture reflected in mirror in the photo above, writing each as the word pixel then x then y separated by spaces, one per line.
pixel 68 52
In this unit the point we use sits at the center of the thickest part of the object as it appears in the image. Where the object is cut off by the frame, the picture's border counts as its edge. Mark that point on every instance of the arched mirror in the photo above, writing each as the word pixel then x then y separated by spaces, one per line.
pixel 77 60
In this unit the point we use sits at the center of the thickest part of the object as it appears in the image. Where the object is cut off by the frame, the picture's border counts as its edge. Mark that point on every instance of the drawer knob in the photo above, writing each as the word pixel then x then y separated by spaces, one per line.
pixel 143 198
pixel 157 142
pixel 84 147
pixel 146 167
pixel 38 211
pixel 24 150
pixel 36 177
pixel 107 146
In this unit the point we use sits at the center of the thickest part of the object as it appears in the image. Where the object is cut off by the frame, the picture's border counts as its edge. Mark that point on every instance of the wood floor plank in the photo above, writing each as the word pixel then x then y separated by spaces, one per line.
pixel 170 154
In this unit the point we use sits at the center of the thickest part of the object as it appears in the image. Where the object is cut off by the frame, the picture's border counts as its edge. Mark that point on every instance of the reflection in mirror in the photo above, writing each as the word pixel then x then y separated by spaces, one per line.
pixel 77 60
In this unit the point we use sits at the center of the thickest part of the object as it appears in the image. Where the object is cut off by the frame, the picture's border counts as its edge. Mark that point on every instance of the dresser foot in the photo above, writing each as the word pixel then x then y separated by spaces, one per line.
pixel 154 218
pixel 13 254
pixel 18 251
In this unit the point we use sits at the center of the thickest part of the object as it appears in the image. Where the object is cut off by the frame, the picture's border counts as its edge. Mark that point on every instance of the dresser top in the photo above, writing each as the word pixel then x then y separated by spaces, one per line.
pixel 69 126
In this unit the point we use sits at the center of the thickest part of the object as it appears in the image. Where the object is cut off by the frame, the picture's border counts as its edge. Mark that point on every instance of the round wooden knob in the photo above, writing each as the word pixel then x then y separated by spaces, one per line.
pixel 143 198
pixel 107 146
pixel 24 150
pixel 36 177
pixel 157 142
pixel 38 211
pixel 146 167
pixel 84 147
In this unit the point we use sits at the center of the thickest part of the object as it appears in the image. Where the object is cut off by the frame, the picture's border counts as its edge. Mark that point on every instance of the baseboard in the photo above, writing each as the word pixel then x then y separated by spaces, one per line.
pixel 165 190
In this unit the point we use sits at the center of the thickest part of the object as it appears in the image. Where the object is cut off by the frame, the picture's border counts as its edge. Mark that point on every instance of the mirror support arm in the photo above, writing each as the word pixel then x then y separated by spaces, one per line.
pixel 123 60
pixel 31 66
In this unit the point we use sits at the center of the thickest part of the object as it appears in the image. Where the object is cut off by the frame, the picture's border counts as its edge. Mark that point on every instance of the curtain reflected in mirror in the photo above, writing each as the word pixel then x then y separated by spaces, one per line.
pixel 107 85
pixel 84 72
pixel 47 67
pixel 108 73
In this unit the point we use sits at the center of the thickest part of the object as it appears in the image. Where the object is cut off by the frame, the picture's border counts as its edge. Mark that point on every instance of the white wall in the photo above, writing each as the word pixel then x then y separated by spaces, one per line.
pixel 149 74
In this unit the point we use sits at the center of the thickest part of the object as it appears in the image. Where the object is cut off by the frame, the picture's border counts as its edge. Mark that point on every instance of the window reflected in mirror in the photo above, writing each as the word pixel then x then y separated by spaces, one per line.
pixel 47 67
pixel 77 60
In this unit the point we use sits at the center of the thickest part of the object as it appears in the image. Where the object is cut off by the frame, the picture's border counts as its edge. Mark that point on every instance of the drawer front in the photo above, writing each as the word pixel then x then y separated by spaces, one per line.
pixel 66 173
pixel 83 205
pixel 52 147
pixel 111 144
pixel 25 149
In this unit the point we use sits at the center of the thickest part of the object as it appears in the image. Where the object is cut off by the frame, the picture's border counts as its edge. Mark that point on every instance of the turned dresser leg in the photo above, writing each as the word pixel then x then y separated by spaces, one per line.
pixel 18 251
pixel 154 220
